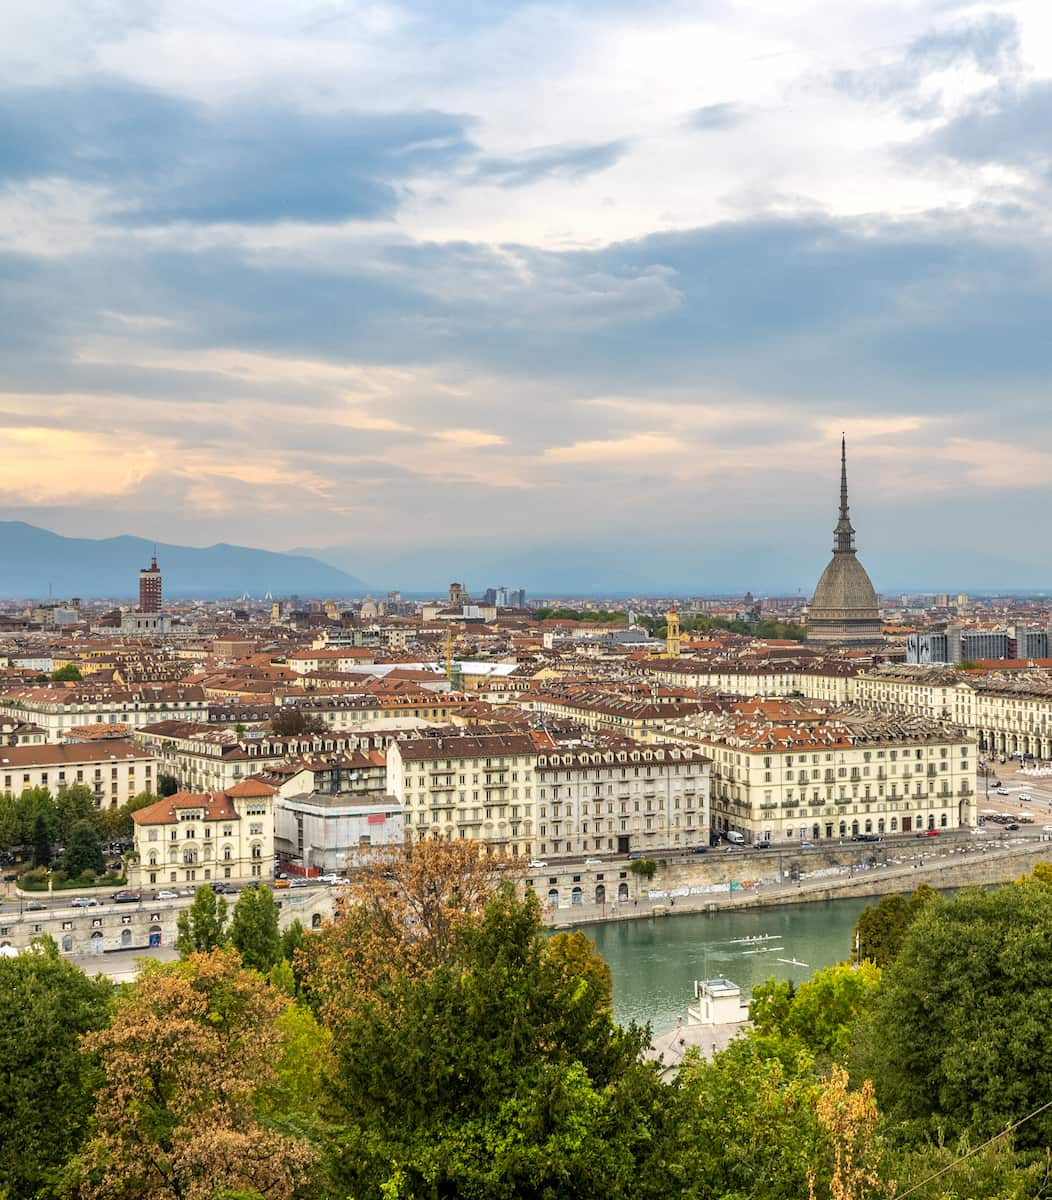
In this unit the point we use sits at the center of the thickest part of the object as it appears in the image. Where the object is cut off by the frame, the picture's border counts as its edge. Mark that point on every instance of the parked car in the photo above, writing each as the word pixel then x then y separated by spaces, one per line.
pixel 593 862
pixel 865 837
pixel 223 889
pixel 127 897
pixel 85 902
pixel 762 844
pixel 166 894
pixel 699 849
pixel 537 864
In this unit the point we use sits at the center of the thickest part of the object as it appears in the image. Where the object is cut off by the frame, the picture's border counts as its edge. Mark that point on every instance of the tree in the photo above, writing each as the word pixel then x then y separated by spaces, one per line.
pixel 41 842
pixel 644 868
pixel 33 803
pixel 292 722
pixel 254 929
pixel 46 1003
pixel 70 673
pixel 881 927
pixel 9 825
pixel 167 785
pixel 961 1022
pixel 498 1073
pixel 404 909
pixel 83 852
pixel 117 824
pixel 202 927
pixel 188 1050
pixel 73 803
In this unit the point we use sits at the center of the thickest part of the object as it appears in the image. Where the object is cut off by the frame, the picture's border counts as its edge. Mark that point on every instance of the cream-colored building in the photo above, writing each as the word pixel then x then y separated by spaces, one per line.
pixel 784 774
pixel 593 800
pixel 57 709
pixel 477 786
pixel 113 770
pixel 193 838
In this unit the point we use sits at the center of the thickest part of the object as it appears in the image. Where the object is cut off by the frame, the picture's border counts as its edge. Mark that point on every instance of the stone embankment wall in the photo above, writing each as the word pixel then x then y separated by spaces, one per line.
pixel 755 880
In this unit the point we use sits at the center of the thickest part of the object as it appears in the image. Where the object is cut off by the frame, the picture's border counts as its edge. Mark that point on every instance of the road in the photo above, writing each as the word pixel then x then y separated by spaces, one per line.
pixel 13 901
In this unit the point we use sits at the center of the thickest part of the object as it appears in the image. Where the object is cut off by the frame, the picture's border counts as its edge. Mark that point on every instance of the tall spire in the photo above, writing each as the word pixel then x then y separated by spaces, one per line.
pixel 843 535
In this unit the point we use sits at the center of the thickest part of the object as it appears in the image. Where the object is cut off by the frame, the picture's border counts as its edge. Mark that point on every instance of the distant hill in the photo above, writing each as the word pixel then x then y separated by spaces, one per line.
pixel 31 559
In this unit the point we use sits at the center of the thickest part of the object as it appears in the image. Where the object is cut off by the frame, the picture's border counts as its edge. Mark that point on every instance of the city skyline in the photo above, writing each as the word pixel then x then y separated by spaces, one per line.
pixel 564 284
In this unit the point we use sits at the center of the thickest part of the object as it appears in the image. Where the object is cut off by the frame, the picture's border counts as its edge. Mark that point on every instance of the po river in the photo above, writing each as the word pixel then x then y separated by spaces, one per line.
pixel 654 961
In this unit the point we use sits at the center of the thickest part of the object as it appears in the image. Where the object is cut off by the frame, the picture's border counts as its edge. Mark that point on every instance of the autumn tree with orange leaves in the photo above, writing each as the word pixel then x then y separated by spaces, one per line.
pixel 400 917
pixel 189 1048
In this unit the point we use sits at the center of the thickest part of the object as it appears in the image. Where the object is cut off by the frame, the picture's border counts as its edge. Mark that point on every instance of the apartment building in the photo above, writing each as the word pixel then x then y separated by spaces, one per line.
pixel 57 709
pixel 783 773
pixel 477 786
pixel 192 838
pixel 114 770
pixel 594 799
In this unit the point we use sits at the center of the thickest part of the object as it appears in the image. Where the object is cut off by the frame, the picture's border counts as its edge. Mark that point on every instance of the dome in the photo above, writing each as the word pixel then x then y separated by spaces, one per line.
pixel 844 608
pixel 844 588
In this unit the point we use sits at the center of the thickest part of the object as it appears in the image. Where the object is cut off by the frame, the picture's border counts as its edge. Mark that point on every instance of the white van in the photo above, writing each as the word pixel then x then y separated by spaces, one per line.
pixel 734 837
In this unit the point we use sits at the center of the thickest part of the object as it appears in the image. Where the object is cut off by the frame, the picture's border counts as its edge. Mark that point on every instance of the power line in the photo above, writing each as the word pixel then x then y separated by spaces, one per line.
pixel 1011 1129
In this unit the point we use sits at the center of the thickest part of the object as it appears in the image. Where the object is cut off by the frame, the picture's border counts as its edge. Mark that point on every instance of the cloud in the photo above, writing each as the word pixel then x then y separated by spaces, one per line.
pixel 565 162
pixel 474 438
pixel 988 46
pixel 714 118
pixel 636 446
pixel 167 159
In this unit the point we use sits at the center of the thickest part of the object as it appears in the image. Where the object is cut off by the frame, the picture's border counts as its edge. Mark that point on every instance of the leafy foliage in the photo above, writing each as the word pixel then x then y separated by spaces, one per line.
pixel 254 929
pixel 961 1022
pixel 189 1048
pixel 83 851
pixel 46 1003
pixel 881 928
pixel 202 927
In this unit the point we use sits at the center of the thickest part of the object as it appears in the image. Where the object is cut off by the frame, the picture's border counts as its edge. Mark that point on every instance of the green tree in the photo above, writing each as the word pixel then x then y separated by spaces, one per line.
pixel 291 722
pixel 644 868
pixel 116 824
pixel 45 1102
pixel 9 825
pixel 512 1077
pixel 70 673
pixel 881 927
pixel 73 803
pixel 83 852
pixel 202 927
pixel 41 843
pixel 960 1028
pixel 33 803
pixel 254 929
pixel 167 785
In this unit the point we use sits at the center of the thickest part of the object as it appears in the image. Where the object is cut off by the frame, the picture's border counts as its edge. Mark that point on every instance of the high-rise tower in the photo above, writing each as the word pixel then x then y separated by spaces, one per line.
pixel 844 609
pixel 150 587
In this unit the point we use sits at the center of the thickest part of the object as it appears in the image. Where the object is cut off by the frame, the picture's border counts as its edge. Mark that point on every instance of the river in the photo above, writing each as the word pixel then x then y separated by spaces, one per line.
pixel 654 961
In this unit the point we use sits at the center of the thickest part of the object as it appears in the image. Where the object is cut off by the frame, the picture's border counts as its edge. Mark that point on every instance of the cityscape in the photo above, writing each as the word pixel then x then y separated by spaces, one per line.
pixel 525 640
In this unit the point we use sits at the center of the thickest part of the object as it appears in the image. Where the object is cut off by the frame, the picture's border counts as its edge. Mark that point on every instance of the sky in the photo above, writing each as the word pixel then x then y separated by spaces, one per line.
pixel 574 294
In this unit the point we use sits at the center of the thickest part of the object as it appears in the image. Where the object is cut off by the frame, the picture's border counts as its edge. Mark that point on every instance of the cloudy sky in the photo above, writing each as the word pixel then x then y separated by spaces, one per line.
pixel 554 293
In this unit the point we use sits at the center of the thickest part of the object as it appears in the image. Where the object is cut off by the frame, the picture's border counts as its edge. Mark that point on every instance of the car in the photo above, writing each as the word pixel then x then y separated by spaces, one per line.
pixel 762 844
pixel 127 897
pixel 330 877
pixel 223 889
pixel 865 837
pixel 1025 798
pixel 731 849
pixel 281 875
pixel 300 882
pixel 699 849
pixel 807 845
pixel 34 905
pixel 593 862
pixel 282 883
pixel 1012 825
pixel 1000 791
pixel 537 864
pixel 166 894
pixel 85 902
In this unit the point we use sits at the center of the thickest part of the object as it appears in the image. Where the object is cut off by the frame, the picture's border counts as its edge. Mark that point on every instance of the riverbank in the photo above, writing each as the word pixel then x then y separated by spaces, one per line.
pixel 995 862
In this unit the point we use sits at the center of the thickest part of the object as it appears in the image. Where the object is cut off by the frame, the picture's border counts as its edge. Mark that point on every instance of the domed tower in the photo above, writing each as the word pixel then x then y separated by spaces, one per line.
pixel 844 609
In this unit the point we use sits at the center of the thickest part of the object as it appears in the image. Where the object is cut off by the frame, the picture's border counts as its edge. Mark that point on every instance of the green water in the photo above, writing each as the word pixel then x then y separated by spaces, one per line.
pixel 654 961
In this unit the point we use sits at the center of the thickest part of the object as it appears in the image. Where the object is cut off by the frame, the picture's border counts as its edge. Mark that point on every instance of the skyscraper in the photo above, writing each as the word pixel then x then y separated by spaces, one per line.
pixel 150 588
pixel 844 608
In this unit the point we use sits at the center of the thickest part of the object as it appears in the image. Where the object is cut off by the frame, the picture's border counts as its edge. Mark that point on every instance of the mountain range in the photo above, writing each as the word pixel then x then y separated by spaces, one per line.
pixel 35 563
